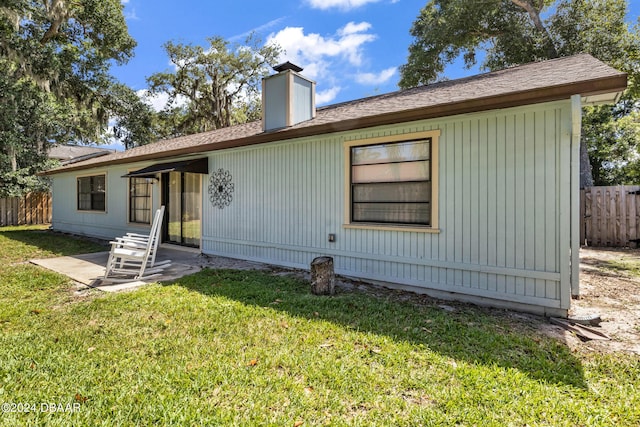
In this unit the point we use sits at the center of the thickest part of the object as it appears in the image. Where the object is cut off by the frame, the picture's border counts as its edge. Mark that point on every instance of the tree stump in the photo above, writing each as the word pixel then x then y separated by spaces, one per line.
pixel 323 279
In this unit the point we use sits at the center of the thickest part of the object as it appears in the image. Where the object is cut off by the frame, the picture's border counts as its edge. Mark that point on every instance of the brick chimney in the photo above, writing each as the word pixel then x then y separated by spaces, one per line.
pixel 288 98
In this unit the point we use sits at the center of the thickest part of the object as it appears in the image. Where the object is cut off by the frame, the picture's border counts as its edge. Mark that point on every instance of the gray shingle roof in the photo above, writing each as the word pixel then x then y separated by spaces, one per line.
pixel 72 153
pixel 526 84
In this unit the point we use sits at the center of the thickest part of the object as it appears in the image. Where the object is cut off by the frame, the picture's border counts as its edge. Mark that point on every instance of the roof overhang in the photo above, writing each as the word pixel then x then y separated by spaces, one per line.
pixel 601 98
pixel 199 165
pixel 601 89
pixel 85 157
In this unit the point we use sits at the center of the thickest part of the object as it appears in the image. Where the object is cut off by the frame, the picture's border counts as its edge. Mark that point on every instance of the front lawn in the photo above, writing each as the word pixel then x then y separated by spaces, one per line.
pixel 249 348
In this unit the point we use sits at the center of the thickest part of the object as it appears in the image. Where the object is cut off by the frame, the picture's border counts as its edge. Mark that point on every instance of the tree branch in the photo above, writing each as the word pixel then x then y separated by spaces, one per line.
pixel 534 14
pixel 58 13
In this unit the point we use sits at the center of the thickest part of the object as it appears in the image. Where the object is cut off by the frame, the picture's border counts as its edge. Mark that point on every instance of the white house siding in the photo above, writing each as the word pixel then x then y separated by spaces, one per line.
pixel 500 178
pixel 113 222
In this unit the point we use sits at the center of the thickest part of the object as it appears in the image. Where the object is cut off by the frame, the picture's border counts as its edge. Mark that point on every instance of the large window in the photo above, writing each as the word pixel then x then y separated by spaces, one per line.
pixel 140 200
pixel 392 183
pixel 91 193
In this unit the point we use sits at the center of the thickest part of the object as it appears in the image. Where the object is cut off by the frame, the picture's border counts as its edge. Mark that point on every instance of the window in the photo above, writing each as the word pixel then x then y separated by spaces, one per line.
pixel 393 183
pixel 140 200
pixel 91 193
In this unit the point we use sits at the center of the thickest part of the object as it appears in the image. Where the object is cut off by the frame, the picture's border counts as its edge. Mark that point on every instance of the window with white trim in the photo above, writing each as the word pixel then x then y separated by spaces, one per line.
pixel 140 200
pixel 92 193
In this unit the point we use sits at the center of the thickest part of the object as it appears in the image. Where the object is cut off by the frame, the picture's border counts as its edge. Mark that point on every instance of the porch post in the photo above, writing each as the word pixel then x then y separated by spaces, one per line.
pixel 576 128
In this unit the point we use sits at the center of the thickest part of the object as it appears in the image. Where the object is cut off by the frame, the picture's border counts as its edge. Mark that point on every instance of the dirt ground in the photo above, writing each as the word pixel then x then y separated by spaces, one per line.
pixel 607 288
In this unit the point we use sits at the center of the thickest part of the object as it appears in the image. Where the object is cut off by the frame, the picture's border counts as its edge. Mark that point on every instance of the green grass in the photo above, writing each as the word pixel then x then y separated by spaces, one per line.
pixel 226 347
pixel 629 266
pixel 19 244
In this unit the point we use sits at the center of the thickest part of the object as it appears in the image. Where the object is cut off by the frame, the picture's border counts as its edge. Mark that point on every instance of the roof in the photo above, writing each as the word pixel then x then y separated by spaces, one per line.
pixel 287 66
pixel 75 153
pixel 522 85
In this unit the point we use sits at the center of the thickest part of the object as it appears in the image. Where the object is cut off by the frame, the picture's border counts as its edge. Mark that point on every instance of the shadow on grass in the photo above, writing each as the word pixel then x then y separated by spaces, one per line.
pixel 37 242
pixel 470 334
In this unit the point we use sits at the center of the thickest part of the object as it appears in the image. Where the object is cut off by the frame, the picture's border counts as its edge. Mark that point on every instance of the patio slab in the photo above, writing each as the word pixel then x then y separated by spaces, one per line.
pixel 84 268
pixel 88 269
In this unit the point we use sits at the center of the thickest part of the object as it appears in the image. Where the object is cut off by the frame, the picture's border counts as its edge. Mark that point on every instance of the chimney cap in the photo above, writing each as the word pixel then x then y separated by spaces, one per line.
pixel 287 66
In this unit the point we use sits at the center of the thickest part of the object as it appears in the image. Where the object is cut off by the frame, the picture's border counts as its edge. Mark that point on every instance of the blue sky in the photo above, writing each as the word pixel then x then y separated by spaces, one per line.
pixel 351 48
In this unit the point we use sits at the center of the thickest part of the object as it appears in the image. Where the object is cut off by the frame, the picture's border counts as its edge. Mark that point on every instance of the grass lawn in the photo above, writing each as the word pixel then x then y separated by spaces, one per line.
pixel 247 348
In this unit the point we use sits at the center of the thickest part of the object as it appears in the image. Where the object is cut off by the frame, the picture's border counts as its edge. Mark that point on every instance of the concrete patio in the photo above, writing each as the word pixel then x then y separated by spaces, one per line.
pixel 88 269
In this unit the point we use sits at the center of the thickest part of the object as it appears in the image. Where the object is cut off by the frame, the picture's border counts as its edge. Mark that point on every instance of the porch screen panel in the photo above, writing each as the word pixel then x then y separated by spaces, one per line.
pixel 391 183
pixel 174 214
pixel 191 210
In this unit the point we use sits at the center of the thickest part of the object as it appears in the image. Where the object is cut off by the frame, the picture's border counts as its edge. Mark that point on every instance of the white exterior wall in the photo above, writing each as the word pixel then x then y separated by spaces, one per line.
pixel 503 178
pixel 109 224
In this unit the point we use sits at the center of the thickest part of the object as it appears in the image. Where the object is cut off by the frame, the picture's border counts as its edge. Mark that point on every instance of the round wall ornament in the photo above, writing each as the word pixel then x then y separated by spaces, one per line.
pixel 220 189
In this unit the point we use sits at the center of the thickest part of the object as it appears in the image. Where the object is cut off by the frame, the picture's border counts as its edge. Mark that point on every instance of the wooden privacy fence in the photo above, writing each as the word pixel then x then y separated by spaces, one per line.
pixel 610 216
pixel 34 208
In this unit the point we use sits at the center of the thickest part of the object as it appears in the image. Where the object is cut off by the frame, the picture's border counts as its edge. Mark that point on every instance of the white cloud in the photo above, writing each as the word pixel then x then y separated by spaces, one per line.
pixel 326 96
pixel 339 4
pixel 321 56
pixel 129 12
pixel 376 78
pixel 160 100
pixel 353 28
pixel 131 15
pixel 257 29
pixel 332 60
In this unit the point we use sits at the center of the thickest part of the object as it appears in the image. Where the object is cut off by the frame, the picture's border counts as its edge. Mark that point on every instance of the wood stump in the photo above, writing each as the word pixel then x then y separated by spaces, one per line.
pixel 323 279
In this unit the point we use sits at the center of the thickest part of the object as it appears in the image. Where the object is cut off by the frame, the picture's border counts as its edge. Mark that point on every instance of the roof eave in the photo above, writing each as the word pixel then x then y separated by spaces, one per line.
pixel 613 84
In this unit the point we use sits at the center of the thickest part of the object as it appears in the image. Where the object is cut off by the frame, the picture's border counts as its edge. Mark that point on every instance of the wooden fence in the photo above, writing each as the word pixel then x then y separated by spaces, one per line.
pixel 610 216
pixel 34 208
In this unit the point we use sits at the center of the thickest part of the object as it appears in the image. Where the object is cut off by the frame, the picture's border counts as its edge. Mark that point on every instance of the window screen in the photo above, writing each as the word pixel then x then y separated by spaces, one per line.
pixel 91 193
pixel 391 183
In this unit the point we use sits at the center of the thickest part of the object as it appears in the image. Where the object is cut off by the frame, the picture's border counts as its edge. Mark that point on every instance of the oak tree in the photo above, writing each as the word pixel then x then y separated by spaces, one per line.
pixel 504 33
pixel 212 86
pixel 55 57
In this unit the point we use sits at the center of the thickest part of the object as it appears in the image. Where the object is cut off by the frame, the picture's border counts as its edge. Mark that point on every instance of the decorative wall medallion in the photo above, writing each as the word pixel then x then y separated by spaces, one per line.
pixel 220 189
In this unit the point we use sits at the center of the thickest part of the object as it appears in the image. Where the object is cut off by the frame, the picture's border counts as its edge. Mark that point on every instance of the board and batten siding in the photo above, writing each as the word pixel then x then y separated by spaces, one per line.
pixel 501 202
pixel 107 225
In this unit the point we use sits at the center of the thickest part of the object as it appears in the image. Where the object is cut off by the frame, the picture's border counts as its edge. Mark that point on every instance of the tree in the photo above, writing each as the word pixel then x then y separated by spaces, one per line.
pixel 67 48
pixel 511 32
pixel 54 60
pixel 27 117
pixel 612 133
pixel 211 87
pixel 134 120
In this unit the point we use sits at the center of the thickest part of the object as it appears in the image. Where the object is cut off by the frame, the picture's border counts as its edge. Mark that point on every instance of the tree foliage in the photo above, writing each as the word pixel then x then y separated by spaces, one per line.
pixel 27 117
pixel 54 63
pixel 612 135
pixel 511 32
pixel 134 120
pixel 211 87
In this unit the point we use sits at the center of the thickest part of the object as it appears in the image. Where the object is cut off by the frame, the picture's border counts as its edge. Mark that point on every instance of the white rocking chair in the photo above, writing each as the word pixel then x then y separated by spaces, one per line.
pixel 133 256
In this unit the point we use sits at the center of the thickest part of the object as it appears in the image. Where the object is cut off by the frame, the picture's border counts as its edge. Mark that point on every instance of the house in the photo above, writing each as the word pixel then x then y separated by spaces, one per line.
pixel 66 153
pixel 465 189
